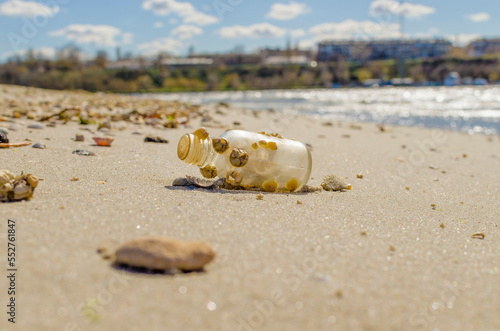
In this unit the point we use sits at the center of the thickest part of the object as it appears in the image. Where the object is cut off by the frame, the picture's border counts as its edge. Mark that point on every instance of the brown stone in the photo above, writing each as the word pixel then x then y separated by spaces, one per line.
pixel 164 253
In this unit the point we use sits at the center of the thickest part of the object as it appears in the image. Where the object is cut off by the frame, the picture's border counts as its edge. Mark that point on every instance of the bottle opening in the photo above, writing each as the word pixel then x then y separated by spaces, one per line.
pixel 184 146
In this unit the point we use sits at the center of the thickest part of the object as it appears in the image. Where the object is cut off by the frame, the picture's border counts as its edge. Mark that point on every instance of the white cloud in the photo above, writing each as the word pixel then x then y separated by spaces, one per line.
pixel 127 38
pixel 167 45
pixel 462 39
pixel 308 44
pixel 479 17
pixel 104 35
pixel 200 19
pixel 284 12
pixel 298 33
pixel 186 31
pixel 182 9
pixel 431 33
pixel 351 29
pixel 262 30
pixel 21 8
pixel 42 52
pixel 388 7
pixel 158 25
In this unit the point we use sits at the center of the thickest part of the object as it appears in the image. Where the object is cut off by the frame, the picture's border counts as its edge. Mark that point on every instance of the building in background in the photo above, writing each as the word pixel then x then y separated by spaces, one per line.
pixel 482 47
pixel 382 50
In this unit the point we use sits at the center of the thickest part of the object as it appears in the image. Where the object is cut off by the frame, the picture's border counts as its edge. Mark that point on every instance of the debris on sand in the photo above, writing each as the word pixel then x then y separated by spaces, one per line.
pixel 334 183
pixel 479 235
pixel 83 152
pixel 198 182
pixel 3 138
pixel 35 126
pixel 7 145
pixel 153 139
pixel 160 253
pixel 14 188
pixel 39 145
pixel 103 141
pixel 79 137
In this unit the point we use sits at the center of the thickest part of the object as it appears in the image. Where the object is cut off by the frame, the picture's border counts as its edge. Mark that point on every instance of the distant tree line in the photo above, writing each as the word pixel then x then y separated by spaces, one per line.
pixel 69 72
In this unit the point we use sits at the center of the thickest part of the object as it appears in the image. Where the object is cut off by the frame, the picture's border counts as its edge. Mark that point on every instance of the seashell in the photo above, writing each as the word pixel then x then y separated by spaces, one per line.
pixel 334 183
pixel 203 183
pixel 270 185
pixel 238 157
pixel 234 178
pixel 201 133
pixel 292 185
pixel 3 138
pixel 182 181
pixel 220 145
pixel 209 172
pixel 161 253
pixel 198 182
pixel 16 188
pixel 104 141
pixel 39 145
pixel 272 146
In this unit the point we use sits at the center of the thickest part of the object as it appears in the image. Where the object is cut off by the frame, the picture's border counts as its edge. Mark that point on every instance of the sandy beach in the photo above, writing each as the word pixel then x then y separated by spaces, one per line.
pixel 393 253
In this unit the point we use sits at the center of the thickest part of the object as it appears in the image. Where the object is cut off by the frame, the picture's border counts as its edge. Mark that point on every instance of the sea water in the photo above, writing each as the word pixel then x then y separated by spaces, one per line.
pixel 469 109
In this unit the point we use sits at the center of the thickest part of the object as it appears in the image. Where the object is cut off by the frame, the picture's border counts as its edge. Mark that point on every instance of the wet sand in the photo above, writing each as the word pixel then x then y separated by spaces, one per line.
pixel 393 253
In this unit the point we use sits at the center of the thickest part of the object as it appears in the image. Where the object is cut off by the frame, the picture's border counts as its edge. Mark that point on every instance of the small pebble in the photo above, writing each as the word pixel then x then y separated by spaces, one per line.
pixel 36 126
pixel 79 137
pixel 360 176
pixel 14 127
pixel 299 202
pixel 260 197
pixel 442 226
pixel 153 139
pixel 39 145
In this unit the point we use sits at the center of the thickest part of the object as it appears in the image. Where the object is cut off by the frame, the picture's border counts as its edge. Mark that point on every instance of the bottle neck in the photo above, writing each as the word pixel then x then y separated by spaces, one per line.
pixel 195 151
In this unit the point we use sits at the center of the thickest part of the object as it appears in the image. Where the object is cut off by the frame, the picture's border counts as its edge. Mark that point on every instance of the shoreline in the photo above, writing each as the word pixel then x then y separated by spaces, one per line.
pixel 395 252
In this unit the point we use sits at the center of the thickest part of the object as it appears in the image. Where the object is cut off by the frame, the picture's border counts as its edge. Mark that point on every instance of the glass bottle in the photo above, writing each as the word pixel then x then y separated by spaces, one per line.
pixel 248 159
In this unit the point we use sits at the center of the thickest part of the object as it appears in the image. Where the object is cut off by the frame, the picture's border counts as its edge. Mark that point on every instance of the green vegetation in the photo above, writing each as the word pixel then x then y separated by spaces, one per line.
pixel 70 73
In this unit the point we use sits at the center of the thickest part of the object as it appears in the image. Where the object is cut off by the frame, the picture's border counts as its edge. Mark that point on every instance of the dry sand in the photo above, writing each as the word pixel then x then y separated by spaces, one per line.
pixel 373 258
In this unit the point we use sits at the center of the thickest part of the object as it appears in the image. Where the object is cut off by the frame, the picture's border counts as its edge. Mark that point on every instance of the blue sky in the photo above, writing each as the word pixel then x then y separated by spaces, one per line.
pixel 150 26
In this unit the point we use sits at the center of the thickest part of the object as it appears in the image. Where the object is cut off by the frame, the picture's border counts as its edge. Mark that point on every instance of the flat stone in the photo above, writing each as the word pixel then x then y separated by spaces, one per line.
pixel 162 253
pixel 35 126
pixel 39 145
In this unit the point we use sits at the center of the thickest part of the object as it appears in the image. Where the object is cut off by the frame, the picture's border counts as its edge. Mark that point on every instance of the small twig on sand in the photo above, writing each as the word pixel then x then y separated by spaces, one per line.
pixel 25 143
